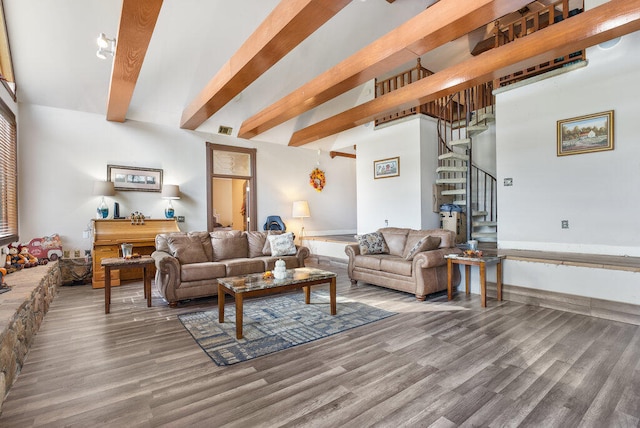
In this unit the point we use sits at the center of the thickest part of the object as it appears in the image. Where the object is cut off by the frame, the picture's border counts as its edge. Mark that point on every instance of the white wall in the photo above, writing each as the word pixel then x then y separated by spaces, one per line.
pixel 61 153
pixel 595 192
pixel 404 201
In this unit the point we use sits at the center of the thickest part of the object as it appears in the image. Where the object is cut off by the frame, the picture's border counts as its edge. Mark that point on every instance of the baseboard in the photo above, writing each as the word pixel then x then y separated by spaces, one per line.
pixel 607 309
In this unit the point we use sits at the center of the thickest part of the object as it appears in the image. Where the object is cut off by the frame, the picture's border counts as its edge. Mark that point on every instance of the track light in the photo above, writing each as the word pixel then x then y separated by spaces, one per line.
pixel 106 46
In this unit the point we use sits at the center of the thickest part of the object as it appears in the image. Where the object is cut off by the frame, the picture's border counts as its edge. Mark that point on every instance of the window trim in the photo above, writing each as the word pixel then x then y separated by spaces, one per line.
pixel 11 234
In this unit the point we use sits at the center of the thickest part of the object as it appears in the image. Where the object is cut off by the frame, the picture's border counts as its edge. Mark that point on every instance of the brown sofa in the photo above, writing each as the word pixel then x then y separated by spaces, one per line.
pixel 188 263
pixel 426 273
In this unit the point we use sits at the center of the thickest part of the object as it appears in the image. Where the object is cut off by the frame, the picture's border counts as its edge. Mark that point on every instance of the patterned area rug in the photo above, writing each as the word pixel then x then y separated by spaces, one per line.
pixel 275 323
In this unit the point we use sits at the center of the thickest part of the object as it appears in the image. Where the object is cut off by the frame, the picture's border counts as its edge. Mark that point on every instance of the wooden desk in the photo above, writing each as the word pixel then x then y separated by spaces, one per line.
pixel 146 263
pixel 109 234
pixel 474 261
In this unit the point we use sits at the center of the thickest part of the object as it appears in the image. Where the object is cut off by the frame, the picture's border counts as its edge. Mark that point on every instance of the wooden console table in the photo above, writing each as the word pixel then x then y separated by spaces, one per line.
pixel 146 263
pixel 474 261
pixel 109 234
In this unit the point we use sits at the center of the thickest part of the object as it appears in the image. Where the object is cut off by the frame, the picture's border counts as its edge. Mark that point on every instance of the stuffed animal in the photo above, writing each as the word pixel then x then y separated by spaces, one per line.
pixel 13 260
pixel 27 258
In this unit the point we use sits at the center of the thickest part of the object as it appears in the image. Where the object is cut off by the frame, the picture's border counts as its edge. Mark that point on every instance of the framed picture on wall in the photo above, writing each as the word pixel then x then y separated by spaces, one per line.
pixel 585 134
pixel 386 168
pixel 134 178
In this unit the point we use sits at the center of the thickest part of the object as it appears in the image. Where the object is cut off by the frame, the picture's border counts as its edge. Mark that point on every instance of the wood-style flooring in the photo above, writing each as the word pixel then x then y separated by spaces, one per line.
pixel 436 363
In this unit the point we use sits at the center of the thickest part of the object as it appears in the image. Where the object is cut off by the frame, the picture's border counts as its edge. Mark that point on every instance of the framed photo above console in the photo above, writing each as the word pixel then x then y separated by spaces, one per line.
pixel 135 178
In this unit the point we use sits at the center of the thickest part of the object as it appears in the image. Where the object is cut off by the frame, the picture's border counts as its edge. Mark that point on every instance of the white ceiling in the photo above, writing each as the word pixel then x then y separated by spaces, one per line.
pixel 53 46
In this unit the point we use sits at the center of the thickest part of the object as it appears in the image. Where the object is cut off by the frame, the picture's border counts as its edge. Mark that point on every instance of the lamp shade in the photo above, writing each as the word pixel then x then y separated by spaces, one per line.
pixel 103 188
pixel 300 209
pixel 170 191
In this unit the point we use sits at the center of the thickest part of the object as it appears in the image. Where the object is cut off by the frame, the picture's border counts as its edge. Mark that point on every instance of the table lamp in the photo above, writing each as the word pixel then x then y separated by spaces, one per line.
pixel 103 188
pixel 170 192
pixel 301 210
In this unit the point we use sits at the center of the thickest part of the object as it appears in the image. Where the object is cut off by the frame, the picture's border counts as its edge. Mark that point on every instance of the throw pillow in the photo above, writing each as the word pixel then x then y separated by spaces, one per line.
pixel 372 243
pixel 266 250
pixel 427 243
pixel 282 245
pixel 187 249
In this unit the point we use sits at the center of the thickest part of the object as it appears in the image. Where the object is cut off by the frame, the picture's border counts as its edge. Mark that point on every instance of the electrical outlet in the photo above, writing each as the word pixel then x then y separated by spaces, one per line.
pixel 386 222
pixel 180 219
pixel 565 224
pixel 508 181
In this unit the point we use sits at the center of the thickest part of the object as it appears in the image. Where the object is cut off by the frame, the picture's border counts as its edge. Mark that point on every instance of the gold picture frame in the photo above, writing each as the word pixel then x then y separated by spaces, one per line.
pixel 386 168
pixel 585 134
pixel 135 178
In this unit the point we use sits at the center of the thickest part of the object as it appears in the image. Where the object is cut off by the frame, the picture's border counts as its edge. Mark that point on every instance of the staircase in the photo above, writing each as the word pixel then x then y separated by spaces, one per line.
pixel 464 116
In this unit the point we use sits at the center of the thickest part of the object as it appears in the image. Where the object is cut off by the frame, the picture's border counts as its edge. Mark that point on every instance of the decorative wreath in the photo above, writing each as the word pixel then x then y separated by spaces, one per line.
pixel 317 179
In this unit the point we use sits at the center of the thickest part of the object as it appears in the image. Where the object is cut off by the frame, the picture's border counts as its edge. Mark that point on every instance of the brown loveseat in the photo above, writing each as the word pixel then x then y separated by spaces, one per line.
pixel 188 263
pixel 392 264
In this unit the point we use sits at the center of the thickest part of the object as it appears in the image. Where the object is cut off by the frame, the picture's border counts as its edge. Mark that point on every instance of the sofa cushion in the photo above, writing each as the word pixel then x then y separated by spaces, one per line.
pixel 396 265
pixel 187 248
pixel 426 243
pixel 368 262
pixel 282 245
pixel 396 238
pixel 266 250
pixel 245 266
pixel 256 241
pixel 229 246
pixel 200 271
pixel 372 243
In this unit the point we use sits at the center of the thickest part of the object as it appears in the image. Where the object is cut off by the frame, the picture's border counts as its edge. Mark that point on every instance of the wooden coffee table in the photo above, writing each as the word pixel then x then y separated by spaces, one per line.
pixel 481 262
pixel 254 285
pixel 144 262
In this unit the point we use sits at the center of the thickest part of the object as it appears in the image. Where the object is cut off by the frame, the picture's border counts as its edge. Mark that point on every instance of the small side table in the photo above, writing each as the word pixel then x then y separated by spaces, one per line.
pixel 482 262
pixel 120 263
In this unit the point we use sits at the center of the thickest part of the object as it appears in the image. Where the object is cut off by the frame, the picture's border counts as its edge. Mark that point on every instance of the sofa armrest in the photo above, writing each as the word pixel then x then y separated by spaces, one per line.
pixel 433 258
pixel 352 250
pixel 167 274
pixel 302 253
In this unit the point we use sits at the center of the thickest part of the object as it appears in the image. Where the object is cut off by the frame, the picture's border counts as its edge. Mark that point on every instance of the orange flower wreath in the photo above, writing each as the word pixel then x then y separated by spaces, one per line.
pixel 317 179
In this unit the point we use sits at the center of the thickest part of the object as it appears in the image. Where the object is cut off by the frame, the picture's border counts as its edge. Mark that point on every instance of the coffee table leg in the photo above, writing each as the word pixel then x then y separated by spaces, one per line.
pixel 307 295
pixel 146 272
pixel 483 285
pixel 238 298
pixel 107 288
pixel 449 279
pixel 499 279
pixel 332 296
pixel 220 303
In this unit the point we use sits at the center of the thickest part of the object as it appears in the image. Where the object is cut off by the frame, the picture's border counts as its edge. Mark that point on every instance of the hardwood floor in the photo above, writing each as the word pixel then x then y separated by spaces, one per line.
pixel 436 363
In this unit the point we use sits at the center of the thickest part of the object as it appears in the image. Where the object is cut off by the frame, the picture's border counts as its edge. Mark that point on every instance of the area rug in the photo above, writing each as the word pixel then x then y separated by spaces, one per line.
pixel 275 323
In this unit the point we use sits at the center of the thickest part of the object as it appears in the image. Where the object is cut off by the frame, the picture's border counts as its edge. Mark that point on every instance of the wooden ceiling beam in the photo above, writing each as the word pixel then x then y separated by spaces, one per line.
pixel 137 22
pixel 342 154
pixel 286 26
pixel 605 22
pixel 441 23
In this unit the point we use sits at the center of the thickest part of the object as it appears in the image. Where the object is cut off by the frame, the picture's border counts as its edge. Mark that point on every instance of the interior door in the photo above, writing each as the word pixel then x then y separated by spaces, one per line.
pixel 231 192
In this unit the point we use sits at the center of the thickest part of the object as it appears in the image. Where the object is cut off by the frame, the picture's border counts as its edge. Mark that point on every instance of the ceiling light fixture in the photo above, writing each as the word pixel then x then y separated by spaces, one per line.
pixel 106 46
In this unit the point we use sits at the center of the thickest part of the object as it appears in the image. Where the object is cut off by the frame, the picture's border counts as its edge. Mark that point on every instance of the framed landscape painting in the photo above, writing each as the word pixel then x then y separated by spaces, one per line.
pixel 134 178
pixel 585 134
pixel 386 168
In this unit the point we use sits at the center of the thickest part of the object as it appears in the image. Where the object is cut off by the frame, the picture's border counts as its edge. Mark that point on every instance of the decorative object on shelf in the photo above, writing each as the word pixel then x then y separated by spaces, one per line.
pixel 137 218
pixel 301 210
pixel 134 178
pixel 386 168
pixel 585 134
pixel 102 189
pixel 317 179
pixel 170 192
pixel 280 271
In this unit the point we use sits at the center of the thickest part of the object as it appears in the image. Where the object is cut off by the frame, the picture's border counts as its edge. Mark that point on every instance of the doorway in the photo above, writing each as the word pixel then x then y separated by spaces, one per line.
pixel 231 182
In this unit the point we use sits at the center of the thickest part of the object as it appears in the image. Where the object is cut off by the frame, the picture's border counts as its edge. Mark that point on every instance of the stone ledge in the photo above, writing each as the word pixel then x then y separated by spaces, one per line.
pixel 21 313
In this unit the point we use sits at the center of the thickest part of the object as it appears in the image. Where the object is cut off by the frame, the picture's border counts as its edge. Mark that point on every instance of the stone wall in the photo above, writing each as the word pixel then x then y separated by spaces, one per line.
pixel 21 313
